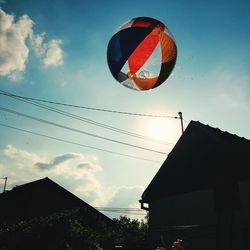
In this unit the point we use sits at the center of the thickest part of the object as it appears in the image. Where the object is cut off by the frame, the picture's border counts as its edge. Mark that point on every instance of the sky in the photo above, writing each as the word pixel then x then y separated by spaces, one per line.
pixel 56 51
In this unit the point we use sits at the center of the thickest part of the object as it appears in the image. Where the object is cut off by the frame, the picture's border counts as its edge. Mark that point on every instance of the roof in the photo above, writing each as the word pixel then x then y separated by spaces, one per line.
pixel 40 197
pixel 202 157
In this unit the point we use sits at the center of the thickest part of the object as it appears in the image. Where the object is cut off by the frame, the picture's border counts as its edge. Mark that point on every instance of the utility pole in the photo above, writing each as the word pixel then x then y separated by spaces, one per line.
pixel 181 118
pixel 5 183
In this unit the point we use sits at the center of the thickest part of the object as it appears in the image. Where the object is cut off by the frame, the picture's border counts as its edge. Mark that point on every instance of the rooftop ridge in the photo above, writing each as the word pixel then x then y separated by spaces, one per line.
pixel 223 132
pixel 31 182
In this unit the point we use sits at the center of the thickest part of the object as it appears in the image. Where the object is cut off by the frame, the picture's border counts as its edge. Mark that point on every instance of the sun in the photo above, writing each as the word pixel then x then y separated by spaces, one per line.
pixel 163 130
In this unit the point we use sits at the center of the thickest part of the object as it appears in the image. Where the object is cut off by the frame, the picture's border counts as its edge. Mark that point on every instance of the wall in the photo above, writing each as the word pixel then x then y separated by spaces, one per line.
pixel 189 216
pixel 241 220
pixel 192 217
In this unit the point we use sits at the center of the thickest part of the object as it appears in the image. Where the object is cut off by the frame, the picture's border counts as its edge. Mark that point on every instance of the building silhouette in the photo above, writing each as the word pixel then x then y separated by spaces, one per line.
pixel 40 198
pixel 201 193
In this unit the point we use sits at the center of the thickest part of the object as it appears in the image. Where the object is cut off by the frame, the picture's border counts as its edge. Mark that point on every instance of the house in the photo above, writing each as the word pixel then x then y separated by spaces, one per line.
pixel 40 198
pixel 43 215
pixel 201 193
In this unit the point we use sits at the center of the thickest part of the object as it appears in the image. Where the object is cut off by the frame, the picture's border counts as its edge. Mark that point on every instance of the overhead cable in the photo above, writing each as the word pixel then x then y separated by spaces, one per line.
pixel 79 131
pixel 134 211
pixel 80 118
pixel 85 107
pixel 73 143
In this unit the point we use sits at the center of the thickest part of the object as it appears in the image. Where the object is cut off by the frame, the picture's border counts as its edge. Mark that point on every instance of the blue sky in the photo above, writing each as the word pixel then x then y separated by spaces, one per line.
pixel 56 50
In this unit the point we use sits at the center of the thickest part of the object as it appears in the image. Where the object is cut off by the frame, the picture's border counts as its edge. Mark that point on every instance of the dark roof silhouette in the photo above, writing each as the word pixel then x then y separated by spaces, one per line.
pixel 202 158
pixel 39 198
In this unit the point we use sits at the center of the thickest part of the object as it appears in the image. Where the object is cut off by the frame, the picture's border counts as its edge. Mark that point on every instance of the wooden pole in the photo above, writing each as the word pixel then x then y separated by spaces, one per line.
pixel 5 183
pixel 181 118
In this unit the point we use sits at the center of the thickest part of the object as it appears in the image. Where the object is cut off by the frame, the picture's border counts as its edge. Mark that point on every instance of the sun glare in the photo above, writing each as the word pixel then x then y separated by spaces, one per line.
pixel 164 130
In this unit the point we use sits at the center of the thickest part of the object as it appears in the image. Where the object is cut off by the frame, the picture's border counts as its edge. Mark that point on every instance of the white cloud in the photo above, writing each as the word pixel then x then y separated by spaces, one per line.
pixel 21 155
pixel 13 49
pixel 15 36
pixel 91 189
pixel 54 54
pixel 51 53
pixel 73 168
pixel 59 160
pixel 125 196
pixel 89 166
pixel 18 165
pixel 76 172
pixel 38 44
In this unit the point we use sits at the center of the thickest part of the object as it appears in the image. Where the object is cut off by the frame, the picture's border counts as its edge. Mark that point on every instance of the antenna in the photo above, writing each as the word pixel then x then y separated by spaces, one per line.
pixel 5 183
pixel 180 116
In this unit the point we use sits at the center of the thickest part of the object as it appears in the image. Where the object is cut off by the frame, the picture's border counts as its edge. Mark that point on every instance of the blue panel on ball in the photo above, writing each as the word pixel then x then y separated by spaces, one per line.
pixel 122 45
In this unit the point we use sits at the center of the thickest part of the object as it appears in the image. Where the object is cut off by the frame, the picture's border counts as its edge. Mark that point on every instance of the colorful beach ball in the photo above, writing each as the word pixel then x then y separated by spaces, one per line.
pixel 142 53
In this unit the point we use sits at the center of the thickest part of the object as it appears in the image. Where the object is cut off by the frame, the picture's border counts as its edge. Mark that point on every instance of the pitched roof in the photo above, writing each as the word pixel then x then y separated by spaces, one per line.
pixel 202 157
pixel 40 197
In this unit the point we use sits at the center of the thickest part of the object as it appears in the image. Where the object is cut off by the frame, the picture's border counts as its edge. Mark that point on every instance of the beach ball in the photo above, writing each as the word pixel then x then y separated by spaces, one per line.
pixel 142 53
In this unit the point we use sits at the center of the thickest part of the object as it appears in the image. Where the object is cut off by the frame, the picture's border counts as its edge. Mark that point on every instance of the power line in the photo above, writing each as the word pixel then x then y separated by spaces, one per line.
pixel 80 118
pixel 79 131
pixel 85 107
pixel 130 213
pixel 121 209
pixel 74 143
pixel 134 211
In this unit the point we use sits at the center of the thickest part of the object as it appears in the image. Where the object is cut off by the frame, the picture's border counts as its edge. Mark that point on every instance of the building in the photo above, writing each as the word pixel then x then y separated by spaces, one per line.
pixel 201 193
pixel 44 215
pixel 40 198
